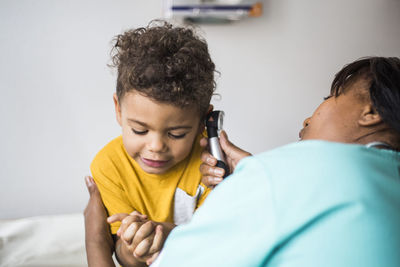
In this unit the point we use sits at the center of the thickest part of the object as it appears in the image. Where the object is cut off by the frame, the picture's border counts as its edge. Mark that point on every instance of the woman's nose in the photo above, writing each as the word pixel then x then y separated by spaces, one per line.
pixel 306 122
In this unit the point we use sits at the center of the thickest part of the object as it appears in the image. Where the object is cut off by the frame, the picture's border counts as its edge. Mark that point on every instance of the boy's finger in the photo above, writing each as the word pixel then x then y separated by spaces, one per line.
pixel 136 213
pixel 131 219
pixel 118 217
pixel 142 249
pixel 158 240
pixel 127 221
pixel 143 232
pixel 130 232
pixel 152 259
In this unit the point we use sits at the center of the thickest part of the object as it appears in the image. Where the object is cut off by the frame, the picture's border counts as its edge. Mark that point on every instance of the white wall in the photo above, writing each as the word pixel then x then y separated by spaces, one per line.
pixel 56 107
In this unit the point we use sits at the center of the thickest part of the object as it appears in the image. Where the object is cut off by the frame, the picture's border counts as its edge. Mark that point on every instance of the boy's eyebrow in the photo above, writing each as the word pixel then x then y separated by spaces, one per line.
pixel 180 127
pixel 138 122
pixel 170 128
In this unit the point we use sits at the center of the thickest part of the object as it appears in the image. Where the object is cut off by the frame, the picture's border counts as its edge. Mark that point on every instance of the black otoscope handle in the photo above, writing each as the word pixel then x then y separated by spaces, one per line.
pixel 222 165
pixel 213 123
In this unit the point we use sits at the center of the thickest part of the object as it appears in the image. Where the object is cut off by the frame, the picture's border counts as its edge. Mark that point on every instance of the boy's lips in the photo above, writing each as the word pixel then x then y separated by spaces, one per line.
pixel 154 163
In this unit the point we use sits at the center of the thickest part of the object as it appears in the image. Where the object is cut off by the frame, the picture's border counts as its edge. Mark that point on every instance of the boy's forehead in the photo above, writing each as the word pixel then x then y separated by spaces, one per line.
pixel 137 103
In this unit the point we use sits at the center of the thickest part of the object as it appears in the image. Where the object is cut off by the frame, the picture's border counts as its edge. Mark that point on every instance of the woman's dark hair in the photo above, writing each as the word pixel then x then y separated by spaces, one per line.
pixel 166 63
pixel 383 75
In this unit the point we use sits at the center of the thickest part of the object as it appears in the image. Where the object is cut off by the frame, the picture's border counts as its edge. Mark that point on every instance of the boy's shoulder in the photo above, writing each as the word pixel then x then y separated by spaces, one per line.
pixel 112 152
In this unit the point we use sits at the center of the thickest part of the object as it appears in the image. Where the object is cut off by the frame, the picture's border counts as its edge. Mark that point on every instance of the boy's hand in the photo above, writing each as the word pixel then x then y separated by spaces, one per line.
pixel 130 224
pixel 213 175
pixel 142 238
pixel 148 249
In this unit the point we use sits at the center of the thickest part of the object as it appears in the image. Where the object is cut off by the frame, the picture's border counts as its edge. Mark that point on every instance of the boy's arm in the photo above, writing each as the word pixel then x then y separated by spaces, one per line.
pixel 99 243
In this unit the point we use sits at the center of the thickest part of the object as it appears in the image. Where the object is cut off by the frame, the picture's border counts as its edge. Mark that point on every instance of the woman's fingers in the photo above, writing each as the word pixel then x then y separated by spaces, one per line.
pixel 211 176
pixel 208 159
pixel 211 181
pixel 203 142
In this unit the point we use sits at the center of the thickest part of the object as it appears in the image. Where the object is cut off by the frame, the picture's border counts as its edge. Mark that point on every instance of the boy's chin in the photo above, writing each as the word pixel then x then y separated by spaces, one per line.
pixel 152 171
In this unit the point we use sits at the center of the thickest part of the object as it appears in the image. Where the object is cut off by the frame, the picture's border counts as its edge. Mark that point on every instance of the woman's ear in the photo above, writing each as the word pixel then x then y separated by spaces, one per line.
pixel 117 109
pixel 369 116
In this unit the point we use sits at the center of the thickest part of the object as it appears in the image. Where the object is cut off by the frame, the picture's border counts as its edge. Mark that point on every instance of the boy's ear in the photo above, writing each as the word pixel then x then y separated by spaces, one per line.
pixel 202 120
pixel 369 116
pixel 210 108
pixel 117 109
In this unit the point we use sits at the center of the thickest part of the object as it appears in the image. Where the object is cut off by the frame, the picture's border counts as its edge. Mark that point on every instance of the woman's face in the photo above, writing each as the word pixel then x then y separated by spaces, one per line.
pixel 336 119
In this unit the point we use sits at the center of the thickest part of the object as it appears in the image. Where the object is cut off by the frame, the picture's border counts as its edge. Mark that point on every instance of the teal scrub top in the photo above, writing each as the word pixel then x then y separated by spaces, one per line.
pixel 310 203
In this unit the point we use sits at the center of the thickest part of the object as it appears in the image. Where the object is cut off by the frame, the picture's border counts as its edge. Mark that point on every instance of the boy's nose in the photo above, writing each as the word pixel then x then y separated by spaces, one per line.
pixel 156 144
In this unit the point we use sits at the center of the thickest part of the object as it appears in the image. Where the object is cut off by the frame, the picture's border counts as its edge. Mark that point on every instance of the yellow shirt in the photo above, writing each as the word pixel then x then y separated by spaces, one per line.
pixel 125 187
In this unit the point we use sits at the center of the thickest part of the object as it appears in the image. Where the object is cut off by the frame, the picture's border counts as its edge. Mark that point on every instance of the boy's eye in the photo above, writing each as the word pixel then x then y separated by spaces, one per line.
pixel 327 97
pixel 139 132
pixel 177 136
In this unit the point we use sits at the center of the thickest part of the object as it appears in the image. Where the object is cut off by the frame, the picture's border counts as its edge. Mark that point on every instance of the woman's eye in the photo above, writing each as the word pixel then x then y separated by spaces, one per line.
pixel 327 97
pixel 177 136
pixel 139 132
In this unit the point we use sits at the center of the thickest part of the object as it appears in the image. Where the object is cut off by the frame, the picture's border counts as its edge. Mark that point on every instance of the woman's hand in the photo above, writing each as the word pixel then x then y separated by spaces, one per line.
pixel 213 175
pixel 98 239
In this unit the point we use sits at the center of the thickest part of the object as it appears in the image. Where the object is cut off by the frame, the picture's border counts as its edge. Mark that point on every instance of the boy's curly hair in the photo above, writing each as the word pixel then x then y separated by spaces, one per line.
pixel 166 63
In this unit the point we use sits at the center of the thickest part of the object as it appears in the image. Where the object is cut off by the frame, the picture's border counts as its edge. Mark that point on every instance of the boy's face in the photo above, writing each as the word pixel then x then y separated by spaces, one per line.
pixel 336 119
pixel 156 135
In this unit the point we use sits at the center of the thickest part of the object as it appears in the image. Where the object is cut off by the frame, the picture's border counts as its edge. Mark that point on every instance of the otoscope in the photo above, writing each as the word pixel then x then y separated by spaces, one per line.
pixel 214 121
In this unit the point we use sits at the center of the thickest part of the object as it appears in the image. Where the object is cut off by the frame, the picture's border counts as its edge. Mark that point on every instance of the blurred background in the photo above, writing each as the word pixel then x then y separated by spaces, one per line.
pixel 56 90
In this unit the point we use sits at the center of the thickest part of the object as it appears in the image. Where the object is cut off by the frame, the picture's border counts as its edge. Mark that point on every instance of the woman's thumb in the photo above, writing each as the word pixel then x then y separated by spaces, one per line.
pixel 91 186
pixel 226 145
pixel 235 153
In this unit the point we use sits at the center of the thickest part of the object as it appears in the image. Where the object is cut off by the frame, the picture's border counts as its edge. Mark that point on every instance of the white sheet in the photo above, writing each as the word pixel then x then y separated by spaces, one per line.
pixel 43 241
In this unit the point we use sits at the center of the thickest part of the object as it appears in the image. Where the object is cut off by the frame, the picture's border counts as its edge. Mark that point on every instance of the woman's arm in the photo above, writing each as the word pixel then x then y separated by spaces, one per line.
pixel 98 239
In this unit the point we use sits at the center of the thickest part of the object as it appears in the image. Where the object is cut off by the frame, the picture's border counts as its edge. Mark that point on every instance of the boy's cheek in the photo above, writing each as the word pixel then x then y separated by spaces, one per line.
pixel 131 145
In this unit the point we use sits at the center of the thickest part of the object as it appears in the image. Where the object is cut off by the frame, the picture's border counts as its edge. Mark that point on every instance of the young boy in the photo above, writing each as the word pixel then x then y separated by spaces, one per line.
pixel 149 177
